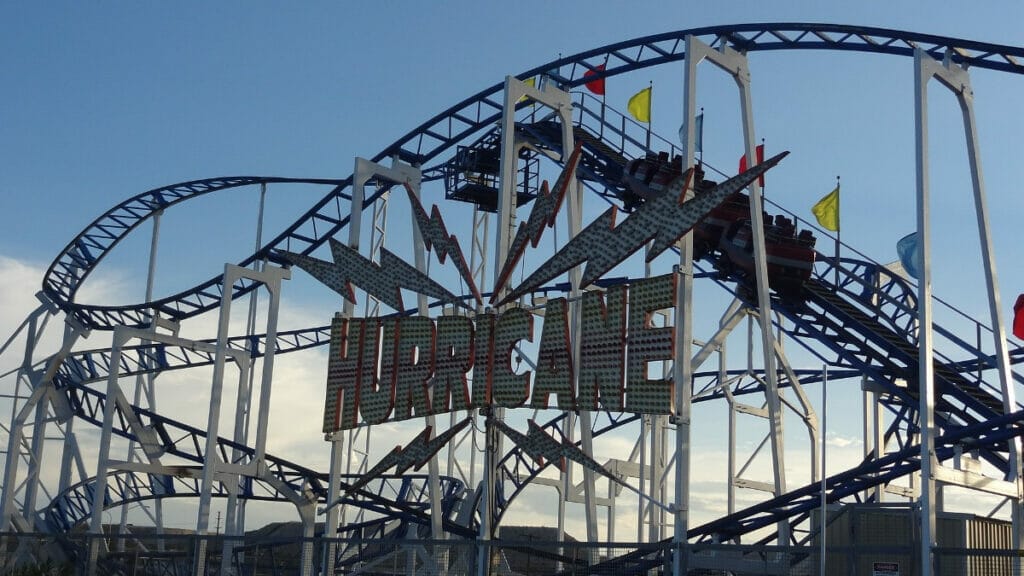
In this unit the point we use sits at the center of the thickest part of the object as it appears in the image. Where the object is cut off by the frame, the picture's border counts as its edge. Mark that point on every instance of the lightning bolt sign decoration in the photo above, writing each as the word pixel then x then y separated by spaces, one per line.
pixel 541 445
pixel 664 219
pixel 438 240
pixel 420 450
pixel 545 209
pixel 385 282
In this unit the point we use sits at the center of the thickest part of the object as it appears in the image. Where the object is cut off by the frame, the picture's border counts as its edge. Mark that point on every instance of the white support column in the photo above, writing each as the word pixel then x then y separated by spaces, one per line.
pixel 731 466
pixel 270 277
pixel 243 401
pixel 33 327
pixel 656 483
pixel 121 336
pixel 14 441
pixel 364 171
pixel 483 561
pixel 558 101
pixel 419 256
pixel 234 525
pixel 230 523
pixel 867 436
pixel 35 461
pixel 514 90
pixel 879 431
pixel 642 503
pixel 337 440
pixel 210 459
pixel 561 102
pixel 823 519
pixel 735 63
pixel 658 489
pixel 730 319
pixel 923 70
pixel 957 79
pixel 144 382
pixel 331 522
pixel 68 456
pixel 41 381
pixel 307 515
pixel 610 519
pixel 867 439
pixel 683 366
pixel 478 268
pixel 478 272
pixel 742 76
pixel 874 441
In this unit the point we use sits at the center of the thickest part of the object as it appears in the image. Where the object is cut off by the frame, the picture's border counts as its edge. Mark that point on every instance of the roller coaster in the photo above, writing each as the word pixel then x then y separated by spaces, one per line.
pixel 479 161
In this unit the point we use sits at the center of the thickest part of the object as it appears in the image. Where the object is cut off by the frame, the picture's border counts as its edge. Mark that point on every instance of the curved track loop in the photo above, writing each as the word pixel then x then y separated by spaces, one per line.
pixel 406 495
pixel 892 298
pixel 390 494
pixel 81 256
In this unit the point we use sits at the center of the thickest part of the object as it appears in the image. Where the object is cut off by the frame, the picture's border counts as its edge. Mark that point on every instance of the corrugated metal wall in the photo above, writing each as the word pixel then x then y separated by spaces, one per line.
pixel 861 534
pixel 985 533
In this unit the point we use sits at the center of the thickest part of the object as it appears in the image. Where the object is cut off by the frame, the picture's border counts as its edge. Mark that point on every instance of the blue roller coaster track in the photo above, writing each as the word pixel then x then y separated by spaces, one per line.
pixel 859 313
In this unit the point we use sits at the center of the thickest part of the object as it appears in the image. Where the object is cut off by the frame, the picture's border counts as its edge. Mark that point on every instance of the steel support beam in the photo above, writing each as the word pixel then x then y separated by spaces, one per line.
pixel 40 383
pixel 433 470
pixel 957 80
pixel 735 64
pixel 923 70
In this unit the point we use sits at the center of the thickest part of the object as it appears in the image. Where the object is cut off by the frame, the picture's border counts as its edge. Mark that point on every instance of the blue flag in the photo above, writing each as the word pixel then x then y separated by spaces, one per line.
pixel 550 77
pixel 698 138
pixel 698 127
pixel 909 251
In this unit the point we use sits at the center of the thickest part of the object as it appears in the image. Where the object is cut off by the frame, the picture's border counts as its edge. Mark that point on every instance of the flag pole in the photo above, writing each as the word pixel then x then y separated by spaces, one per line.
pixel 757 161
pixel 839 228
pixel 824 501
pixel 700 136
pixel 603 103
pixel 604 96
pixel 650 107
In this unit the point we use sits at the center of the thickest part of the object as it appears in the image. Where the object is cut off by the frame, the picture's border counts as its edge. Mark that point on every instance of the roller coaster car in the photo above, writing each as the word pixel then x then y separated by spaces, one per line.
pixel 727 230
pixel 790 254
pixel 708 232
pixel 650 176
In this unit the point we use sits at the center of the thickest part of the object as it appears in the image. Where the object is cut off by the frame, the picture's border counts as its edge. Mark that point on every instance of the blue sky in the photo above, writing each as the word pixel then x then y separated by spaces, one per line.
pixel 103 101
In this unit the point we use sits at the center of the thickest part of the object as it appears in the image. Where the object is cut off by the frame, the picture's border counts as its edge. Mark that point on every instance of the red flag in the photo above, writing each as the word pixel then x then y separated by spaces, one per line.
pixel 595 86
pixel 1018 317
pixel 760 158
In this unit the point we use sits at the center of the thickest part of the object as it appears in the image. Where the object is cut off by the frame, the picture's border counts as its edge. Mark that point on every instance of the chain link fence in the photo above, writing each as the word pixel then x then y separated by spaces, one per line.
pixel 177 554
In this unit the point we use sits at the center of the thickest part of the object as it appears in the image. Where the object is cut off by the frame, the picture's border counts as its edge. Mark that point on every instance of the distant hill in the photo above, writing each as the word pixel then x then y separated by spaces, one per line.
pixel 523 549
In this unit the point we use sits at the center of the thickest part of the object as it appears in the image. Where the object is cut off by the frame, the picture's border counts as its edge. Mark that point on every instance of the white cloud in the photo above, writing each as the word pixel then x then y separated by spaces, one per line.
pixel 837 441
pixel 19 281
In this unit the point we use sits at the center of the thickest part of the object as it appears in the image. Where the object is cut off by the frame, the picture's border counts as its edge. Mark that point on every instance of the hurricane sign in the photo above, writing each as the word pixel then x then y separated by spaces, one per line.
pixel 403 366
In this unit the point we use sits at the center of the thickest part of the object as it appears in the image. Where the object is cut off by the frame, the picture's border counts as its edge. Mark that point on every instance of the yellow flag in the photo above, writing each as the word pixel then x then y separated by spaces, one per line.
pixel 640 105
pixel 531 82
pixel 827 211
